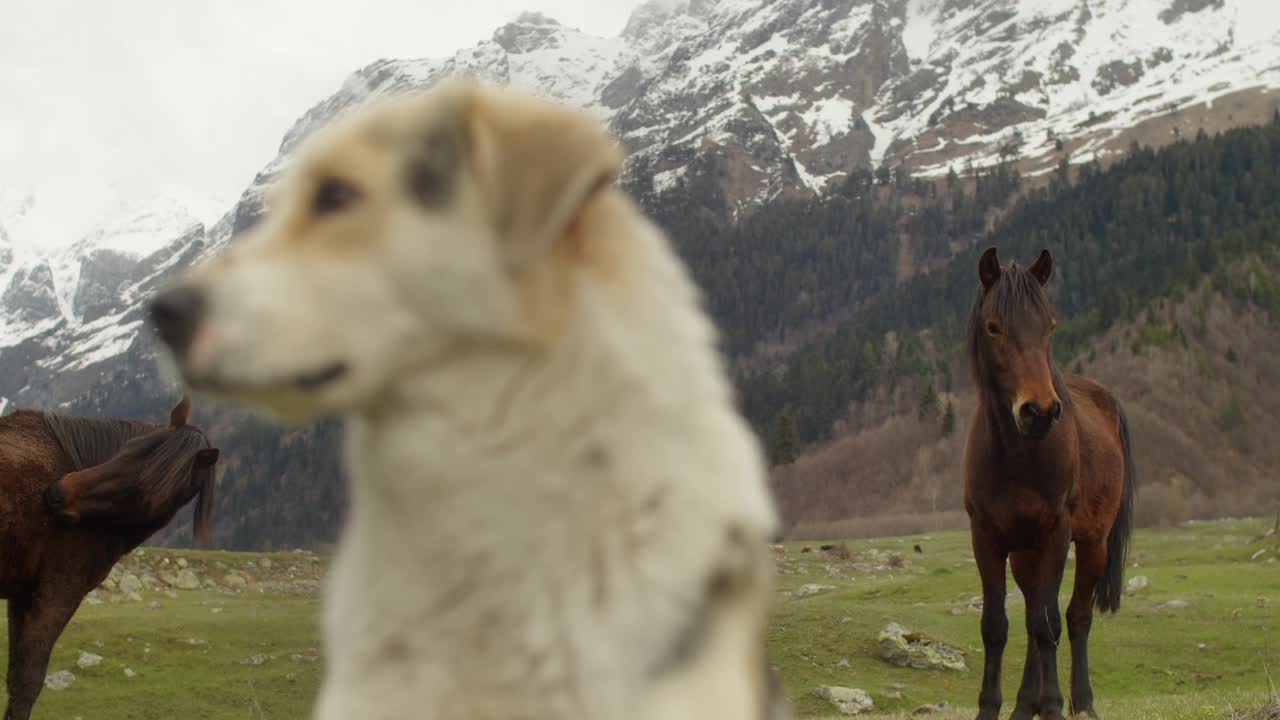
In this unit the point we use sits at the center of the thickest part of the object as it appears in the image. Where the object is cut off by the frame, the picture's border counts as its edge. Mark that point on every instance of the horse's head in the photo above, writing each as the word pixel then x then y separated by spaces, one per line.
pixel 145 483
pixel 1010 342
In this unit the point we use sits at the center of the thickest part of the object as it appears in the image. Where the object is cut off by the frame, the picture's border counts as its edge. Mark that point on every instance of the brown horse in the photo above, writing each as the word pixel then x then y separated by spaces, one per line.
pixel 1047 463
pixel 76 494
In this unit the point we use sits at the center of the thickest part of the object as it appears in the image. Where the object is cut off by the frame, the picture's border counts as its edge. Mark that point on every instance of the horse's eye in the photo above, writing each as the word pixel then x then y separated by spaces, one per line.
pixel 334 196
pixel 993 328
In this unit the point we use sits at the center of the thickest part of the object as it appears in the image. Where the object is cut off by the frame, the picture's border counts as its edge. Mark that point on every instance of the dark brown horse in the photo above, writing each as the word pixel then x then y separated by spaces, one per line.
pixel 1047 463
pixel 76 494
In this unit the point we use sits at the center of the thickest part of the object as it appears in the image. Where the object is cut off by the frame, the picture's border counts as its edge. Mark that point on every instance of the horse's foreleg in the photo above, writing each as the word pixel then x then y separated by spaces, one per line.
pixel 1039 576
pixel 37 623
pixel 1091 563
pixel 991 556
pixel 1032 681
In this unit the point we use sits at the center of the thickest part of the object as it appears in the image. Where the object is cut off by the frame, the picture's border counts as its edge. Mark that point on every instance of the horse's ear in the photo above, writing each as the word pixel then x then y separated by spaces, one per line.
pixel 989 268
pixel 181 413
pixel 1043 267
pixel 207 457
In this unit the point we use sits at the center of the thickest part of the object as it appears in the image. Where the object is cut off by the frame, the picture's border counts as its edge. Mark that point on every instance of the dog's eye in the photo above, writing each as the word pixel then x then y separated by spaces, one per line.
pixel 334 196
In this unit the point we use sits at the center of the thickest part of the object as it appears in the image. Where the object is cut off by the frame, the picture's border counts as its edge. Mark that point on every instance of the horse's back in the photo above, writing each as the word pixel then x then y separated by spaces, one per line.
pixel 26 447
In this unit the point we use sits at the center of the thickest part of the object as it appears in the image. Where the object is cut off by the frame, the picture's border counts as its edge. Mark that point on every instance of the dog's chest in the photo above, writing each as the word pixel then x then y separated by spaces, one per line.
pixel 503 595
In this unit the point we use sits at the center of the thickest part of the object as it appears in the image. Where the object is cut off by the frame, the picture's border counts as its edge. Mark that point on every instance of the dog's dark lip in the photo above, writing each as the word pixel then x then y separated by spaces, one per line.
pixel 320 378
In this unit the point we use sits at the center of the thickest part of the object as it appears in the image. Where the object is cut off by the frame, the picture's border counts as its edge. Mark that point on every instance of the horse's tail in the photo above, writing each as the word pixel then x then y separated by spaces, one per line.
pixel 204 507
pixel 1110 586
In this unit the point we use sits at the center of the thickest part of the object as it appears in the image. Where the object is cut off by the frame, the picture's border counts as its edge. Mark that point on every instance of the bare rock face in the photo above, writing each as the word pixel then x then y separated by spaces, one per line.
pixel 30 296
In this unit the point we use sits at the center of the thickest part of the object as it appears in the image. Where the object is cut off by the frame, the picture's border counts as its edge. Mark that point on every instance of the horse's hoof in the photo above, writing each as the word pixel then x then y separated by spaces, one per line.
pixel 1085 715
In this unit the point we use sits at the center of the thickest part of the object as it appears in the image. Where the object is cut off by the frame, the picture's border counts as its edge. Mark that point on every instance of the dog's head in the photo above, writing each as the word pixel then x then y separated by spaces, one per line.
pixel 412 231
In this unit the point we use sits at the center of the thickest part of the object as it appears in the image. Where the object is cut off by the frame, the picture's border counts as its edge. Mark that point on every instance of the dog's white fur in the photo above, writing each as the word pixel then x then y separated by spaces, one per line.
pixel 556 511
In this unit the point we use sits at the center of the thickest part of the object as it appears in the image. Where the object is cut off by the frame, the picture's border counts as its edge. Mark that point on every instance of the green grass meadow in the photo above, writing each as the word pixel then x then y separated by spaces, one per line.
pixel 255 652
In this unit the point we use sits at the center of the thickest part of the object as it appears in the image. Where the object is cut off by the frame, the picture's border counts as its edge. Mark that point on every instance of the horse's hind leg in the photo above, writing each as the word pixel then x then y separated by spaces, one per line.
pixel 34 626
pixel 1091 562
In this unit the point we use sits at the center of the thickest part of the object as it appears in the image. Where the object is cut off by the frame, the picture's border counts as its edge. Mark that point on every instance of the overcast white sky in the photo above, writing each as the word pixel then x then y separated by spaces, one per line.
pixel 111 101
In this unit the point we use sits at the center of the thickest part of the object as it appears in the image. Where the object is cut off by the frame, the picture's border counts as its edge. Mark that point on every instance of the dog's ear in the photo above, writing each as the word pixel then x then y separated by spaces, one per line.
pixel 541 164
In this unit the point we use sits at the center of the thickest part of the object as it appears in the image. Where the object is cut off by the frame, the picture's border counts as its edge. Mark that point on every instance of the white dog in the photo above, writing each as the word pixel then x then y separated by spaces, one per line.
pixel 556 512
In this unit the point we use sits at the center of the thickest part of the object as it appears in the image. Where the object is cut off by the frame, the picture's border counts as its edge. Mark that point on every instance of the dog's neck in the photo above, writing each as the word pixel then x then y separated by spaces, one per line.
pixel 526 422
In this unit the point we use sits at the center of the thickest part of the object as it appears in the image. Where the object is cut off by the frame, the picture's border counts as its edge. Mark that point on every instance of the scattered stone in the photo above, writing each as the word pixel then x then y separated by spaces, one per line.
pixel 265 564
pixel 1258 554
pixel 931 708
pixel 1136 583
pixel 182 562
pixel 194 641
pixel 216 611
pixel 893 694
pixel 133 597
pixel 849 701
pixel 129 673
pixel 187 580
pixel 957 611
pixel 234 580
pixel 60 680
pixel 811 589
pixel 255 660
pixel 171 594
pixel 844 662
pixel 88 660
pixel 1172 605
pixel 291 677
pixel 129 583
pixel 905 648
pixel 304 657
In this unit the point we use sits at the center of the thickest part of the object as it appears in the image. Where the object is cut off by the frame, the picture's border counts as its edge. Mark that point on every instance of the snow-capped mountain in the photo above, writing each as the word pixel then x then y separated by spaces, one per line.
pixel 768 97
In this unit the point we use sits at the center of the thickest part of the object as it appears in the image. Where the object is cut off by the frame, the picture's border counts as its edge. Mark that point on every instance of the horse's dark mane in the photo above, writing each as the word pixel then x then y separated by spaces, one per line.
pixel 1015 296
pixel 92 441
pixel 168 467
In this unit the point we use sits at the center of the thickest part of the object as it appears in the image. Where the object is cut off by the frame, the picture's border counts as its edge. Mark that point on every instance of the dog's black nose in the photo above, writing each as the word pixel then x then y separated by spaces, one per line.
pixel 176 314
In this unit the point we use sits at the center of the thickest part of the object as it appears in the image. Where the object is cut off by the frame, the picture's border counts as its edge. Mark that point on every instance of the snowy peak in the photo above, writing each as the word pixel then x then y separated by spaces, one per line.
pixel 1043 74
pixel 529 32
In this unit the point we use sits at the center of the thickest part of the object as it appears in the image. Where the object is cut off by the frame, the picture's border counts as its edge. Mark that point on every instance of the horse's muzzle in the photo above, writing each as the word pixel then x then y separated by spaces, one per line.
pixel 1035 422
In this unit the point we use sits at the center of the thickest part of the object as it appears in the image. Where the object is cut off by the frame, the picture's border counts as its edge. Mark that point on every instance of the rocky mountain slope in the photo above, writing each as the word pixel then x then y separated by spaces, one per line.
pixel 758 99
